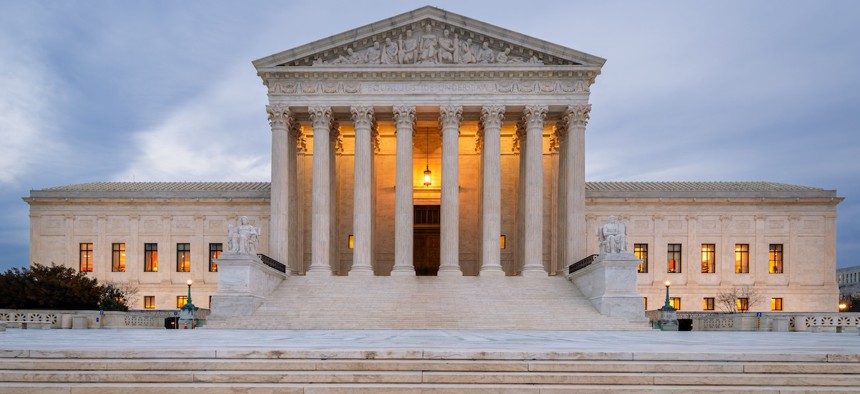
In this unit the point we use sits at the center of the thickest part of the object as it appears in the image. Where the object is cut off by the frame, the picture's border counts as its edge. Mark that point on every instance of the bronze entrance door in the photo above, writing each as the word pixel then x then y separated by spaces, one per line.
pixel 425 253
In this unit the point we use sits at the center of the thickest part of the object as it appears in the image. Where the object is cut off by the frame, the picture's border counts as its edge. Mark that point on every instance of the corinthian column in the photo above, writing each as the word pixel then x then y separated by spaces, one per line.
pixel 449 119
pixel 404 119
pixel 279 232
pixel 321 221
pixel 576 117
pixel 491 129
pixel 362 257
pixel 533 198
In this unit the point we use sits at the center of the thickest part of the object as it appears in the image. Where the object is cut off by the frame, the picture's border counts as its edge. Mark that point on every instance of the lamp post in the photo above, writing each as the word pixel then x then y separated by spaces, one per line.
pixel 668 314
pixel 666 305
pixel 186 313
pixel 189 293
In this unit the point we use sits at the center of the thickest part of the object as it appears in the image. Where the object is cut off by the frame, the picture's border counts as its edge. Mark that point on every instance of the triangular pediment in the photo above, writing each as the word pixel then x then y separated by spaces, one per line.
pixel 424 37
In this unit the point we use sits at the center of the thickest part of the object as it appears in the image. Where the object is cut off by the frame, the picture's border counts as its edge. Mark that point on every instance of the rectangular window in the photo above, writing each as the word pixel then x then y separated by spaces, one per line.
pixel 743 304
pixel 776 304
pixel 708 304
pixel 150 257
pixel 181 301
pixel 117 257
pixel 673 258
pixel 214 252
pixel 742 258
pixel 183 257
pixel 86 257
pixel 148 302
pixel 709 265
pixel 675 302
pixel 641 252
pixel 646 302
pixel 775 258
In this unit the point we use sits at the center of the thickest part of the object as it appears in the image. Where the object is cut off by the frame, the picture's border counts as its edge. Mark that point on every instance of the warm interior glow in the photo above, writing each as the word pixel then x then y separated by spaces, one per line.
pixel 502 241
pixel 427 173
pixel 189 282
pixel 667 283
pixel 351 241
pixel 842 306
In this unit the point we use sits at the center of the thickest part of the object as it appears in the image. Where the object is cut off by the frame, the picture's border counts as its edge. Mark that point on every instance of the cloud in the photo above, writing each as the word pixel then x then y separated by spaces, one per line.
pixel 215 135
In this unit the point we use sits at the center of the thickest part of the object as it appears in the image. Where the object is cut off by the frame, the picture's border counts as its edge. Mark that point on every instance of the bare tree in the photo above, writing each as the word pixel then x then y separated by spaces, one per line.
pixel 129 291
pixel 728 299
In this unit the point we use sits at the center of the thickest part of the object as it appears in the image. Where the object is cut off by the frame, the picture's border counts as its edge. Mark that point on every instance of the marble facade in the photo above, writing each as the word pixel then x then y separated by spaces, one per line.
pixel 499 118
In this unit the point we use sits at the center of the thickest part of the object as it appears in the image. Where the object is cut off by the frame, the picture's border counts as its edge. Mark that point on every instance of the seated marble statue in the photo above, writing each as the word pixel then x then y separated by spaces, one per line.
pixel 243 239
pixel 613 236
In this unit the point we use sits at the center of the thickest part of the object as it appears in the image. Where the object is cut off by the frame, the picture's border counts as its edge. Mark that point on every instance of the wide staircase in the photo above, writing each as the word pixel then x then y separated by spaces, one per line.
pixel 413 302
pixel 308 373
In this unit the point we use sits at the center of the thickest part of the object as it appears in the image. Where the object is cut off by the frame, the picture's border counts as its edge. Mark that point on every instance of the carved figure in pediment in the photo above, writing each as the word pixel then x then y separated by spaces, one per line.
pixel 466 54
pixel 373 53
pixel 351 58
pixel 408 48
pixel 389 53
pixel 447 47
pixel 429 45
pixel 502 57
pixel 486 55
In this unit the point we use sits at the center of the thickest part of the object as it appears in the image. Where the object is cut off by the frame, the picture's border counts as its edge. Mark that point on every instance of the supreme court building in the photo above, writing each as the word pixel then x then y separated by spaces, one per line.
pixel 432 144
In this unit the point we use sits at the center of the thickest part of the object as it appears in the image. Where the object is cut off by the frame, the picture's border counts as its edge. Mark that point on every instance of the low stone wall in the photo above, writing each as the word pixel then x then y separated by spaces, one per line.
pixel 768 321
pixel 91 319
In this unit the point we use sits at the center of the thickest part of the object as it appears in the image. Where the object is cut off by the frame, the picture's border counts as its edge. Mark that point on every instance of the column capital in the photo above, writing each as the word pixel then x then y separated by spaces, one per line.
pixel 404 116
pixel 533 116
pixel 450 116
pixel 321 117
pixel 362 116
pixel 492 116
pixel 577 115
pixel 279 116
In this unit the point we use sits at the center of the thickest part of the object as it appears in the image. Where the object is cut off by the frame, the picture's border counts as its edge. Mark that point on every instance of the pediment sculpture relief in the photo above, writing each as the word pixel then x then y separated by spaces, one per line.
pixel 431 46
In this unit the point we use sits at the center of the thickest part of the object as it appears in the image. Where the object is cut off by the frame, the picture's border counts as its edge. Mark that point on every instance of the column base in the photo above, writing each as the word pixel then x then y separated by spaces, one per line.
pixel 361 271
pixel 318 272
pixel 492 271
pixel 449 271
pixel 403 271
pixel 534 273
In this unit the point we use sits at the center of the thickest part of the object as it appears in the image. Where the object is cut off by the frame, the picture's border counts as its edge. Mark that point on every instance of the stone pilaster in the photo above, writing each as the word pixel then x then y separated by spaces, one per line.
pixel 280 121
pixel 363 213
pixel 321 220
pixel 491 128
pixel 404 119
pixel 533 230
pixel 449 121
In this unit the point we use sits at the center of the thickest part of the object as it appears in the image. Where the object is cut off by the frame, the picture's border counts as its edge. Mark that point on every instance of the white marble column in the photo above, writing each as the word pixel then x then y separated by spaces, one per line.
pixel 280 121
pixel 362 257
pixel 449 233
pixel 491 220
pixel 321 219
pixel 533 229
pixel 404 119
pixel 574 151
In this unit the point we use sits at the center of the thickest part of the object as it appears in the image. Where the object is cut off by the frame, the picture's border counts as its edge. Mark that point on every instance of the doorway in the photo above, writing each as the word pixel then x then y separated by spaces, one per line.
pixel 425 252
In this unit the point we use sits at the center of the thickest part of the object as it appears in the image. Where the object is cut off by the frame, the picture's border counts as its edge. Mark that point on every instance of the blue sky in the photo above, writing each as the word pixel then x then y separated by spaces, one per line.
pixel 162 91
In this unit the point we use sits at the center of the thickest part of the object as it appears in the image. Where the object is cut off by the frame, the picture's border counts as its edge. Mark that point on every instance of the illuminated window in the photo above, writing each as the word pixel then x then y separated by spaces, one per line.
pixel 118 257
pixel 645 299
pixel 709 265
pixel 776 304
pixel 150 257
pixel 775 258
pixel 708 304
pixel 86 257
pixel 675 302
pixel 641 252
pixel 502 241
pixel 350 241
pixel 743 304
pixel 742 258
pixel 148 302
pixel 673 258
pixel 181 301
pixel 214 252
pixel 183 257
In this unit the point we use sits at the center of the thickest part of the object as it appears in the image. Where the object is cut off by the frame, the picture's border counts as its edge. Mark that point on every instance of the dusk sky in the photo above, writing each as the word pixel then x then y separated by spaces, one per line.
pixel 165 91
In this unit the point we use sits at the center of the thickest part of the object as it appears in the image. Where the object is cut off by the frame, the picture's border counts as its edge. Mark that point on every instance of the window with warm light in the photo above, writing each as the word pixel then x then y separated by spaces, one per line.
pixel 708 304
pixel 641 252
pixel 709 261
pixel 776 304
pixel 183 257
pixel 675 302
pixel 502 241
pixel 775 258
pixel 181 301
pixel 86 257
pixel 742 258
pixel 673 258
pixel 350 241
pixel 215 250
pixel 148 302
pixel 743 304
pixel 645 300
pixel 150 257
pixel 117 257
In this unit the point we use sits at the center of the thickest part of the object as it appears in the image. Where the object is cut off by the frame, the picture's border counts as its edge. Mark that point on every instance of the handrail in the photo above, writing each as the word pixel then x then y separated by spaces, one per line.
pixel 581 264
pixel 272 263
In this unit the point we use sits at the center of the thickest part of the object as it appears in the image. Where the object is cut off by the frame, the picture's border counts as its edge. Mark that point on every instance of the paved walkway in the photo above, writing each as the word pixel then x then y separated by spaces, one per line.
pixel 426 344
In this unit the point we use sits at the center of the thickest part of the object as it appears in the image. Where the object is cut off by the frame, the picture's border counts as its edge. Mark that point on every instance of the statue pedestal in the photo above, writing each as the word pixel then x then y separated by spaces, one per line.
pixel 610 284
pixel 243 284
pixel 668 319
